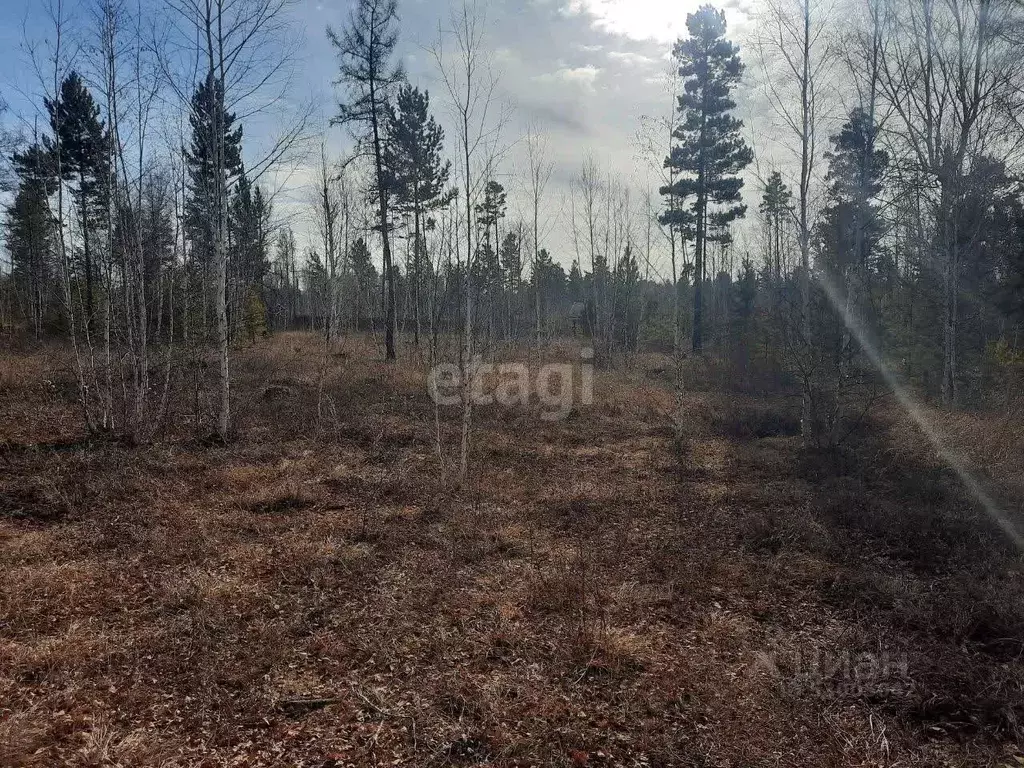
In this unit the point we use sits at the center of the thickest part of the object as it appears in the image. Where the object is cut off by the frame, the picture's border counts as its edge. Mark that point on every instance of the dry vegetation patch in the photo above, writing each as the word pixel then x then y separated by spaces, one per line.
pixel 603 594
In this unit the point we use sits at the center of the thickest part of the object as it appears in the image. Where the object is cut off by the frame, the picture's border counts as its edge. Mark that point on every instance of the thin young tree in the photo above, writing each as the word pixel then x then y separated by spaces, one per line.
pixel 327 218
pixel 365 48
pixel 539 169
pixel 654 140
pixel 796 54
pixel 470 84
pixel 237 52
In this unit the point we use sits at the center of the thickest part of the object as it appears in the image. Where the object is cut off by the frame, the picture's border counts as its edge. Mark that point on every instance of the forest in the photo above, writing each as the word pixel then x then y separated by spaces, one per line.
pixel 777 522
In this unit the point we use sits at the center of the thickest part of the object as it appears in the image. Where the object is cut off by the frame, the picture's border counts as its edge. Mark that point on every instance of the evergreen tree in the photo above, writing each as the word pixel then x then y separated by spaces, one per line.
pixel 248 254
pixel 487 268
pixel 575 281
pixel 549 280
pixel 364 272
pixel 851 227
pixel 491 210
pixel 157 240
pixel 1008 239
pixel 627 278
pixel 745 294
pixel 201 204
pixel 249 223
pixel 417 174
pixel 511 261
pixel 29 230
pixel 776 207
pixel 710 151
pixel 80 148
pixel 365 48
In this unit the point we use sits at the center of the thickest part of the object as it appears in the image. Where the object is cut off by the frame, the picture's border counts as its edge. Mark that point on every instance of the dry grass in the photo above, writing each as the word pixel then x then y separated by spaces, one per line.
pixel 315 593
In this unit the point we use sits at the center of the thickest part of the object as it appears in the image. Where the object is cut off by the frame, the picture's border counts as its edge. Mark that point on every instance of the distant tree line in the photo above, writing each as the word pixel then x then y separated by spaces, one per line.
pixel 890 235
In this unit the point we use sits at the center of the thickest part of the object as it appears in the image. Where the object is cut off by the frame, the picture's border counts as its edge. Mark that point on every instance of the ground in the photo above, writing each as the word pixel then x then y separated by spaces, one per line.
pixel 648 582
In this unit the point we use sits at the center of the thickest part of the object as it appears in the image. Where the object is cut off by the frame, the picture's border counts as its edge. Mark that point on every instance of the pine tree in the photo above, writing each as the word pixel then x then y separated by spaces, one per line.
pixel 417 174
pixel 776 207
pixel 511 261
pixel 249 223
pixel 201 214
pixel 711 151
pixel 29 230
pixel 80 147
pixel 365 48
pixel 491 210
pixel 364 272
pixel 851 226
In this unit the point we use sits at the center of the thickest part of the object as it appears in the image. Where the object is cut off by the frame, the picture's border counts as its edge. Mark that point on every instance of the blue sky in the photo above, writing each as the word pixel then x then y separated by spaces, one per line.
pixel 582 71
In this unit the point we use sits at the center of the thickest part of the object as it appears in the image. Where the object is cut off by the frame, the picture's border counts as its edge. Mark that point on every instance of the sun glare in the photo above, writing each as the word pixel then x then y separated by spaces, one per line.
pixel 662 21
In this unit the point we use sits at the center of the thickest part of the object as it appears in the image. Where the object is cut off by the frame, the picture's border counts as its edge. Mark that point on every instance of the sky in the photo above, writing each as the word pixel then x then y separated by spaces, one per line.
pixel 584 73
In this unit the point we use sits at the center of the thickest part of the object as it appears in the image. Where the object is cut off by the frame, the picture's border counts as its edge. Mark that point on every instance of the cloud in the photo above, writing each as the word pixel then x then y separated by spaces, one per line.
pixel 584 76
pixel 555 117
pixel 630 58
pixel 662 21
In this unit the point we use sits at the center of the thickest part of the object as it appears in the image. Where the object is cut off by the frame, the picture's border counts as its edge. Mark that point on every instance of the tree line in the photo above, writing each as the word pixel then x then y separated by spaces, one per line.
pixel 887 225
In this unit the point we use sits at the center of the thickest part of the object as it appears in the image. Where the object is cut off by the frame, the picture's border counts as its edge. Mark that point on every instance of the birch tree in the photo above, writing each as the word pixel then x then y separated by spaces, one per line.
pixel 539 169
pixel 237 50
pixel 952 77
pixel 470 84
pixel 796 55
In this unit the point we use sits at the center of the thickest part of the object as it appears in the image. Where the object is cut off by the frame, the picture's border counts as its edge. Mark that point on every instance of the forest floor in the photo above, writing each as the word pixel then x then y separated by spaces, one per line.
pixel 602 593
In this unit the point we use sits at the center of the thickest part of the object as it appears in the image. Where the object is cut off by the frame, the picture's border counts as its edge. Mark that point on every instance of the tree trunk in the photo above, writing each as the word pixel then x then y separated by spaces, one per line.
pixel 416 246
pixel 87 252
pixel 806 426
pixel 382 201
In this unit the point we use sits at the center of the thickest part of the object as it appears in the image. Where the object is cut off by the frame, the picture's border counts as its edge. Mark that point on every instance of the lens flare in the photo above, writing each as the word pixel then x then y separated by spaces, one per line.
pixel 917 414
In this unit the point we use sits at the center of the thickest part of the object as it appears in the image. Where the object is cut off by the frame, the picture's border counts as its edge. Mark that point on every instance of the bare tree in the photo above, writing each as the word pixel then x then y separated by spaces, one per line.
pixel 470 84
pixel 587 186
pixel 951 74
pixel 797 54
pixel 654 143
pixel 327 216
pixel 52 64
pixel 539 169
pixel 225 44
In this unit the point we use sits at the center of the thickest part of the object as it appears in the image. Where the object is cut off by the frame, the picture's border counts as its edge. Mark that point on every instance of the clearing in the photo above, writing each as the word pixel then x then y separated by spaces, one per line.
pixel 607 591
